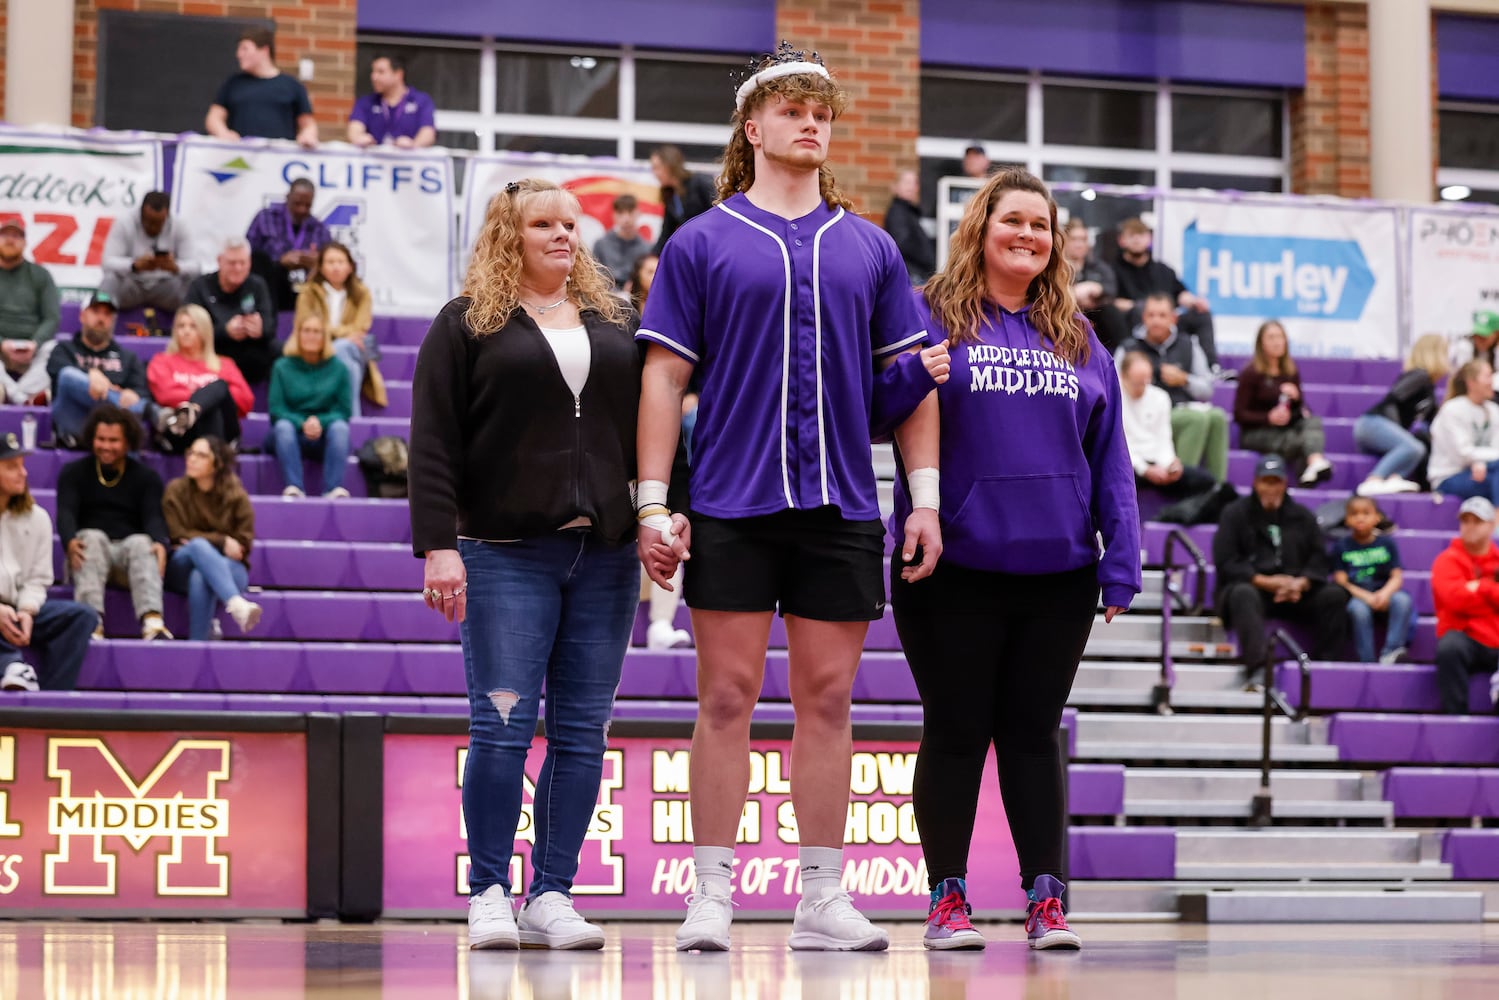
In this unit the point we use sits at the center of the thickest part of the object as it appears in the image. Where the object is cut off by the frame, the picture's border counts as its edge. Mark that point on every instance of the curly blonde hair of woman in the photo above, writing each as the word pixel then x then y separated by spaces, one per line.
pixel 958 294
pixel 492 283
pixel 739 156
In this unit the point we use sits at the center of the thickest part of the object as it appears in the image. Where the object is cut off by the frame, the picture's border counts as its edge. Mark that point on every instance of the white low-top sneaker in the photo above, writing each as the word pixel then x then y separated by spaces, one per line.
pixel 19 677
pixel 832 923
pixel 491 920
pixel 549 921
pixel 706 926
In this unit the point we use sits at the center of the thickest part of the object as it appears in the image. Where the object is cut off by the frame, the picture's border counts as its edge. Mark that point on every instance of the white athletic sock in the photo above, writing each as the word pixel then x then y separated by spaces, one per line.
pixel 714 867
pixel 822 871
pixel 664 602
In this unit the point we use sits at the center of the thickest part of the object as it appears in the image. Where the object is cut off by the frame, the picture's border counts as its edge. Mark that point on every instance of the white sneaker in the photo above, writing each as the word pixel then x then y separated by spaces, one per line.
pixel 706 926
pixel 152 627
pixel 337 493
pixel 1377 487
pixel 832 923
pixel 1399 485
pixel 661 635
pixel 246 614
pixel 1316 471
pixel 549 921
pixel 491 920
pixel 19 677
pixel 292 492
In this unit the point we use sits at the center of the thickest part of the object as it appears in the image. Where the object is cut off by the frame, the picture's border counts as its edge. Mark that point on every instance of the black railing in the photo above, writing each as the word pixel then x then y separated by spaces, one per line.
pixel 1275 700
pixel 1175 597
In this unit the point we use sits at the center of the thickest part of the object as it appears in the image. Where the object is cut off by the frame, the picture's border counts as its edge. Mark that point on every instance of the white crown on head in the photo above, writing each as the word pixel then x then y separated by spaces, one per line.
pixel 787 62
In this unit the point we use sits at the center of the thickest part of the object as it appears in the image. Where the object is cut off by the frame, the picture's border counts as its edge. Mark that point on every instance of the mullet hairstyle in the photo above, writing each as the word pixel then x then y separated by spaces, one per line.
pixel 739 156
pixel 1261 361
pixel 957 295
pixel 492 283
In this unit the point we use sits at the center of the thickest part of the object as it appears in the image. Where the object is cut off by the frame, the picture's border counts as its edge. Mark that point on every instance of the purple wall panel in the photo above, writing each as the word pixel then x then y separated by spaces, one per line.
pixel 1465 57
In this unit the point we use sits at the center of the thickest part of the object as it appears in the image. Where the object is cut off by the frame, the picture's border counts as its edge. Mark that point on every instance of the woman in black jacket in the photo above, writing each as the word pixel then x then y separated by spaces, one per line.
pixel 522 457
pixel 684 194
pixel 1386 429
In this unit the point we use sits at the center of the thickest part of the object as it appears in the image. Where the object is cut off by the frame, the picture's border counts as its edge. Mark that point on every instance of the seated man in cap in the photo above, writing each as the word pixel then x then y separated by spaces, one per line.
pixel 28 318
pixel 1272 561
pixel 93 368
pixel 1466 594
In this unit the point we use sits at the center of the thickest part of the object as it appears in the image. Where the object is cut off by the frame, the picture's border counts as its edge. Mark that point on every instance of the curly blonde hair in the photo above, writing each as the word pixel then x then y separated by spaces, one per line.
pixel 492 283
pixel 957 294
pixel 739 156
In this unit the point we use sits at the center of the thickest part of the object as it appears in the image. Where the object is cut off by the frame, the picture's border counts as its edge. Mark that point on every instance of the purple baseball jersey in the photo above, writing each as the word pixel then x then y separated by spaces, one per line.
pixel 786 320
pixel 386 122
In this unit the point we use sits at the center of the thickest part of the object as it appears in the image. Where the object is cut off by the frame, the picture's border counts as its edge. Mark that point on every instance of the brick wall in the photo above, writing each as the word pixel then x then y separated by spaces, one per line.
pixel 320 30
pixel 1330 118
pixel 872 47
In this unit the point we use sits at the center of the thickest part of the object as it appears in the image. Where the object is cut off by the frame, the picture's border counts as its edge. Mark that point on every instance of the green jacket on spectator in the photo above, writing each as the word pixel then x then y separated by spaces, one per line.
pixel 300 390
pixel 28 304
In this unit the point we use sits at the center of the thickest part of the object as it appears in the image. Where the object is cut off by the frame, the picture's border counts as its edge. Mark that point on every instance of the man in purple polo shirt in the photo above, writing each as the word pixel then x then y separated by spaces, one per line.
pixel 284 241
pixel 786 304
pixel 394 113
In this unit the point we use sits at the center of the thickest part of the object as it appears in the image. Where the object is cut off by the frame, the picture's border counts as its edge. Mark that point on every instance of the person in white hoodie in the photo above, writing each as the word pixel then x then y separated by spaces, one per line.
pixel 1465 436
pixel 56 631
pixel 1146 413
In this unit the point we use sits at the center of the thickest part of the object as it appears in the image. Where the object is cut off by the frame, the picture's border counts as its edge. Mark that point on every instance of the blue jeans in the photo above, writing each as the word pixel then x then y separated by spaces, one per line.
pixel 71 403
pixel 557 609
pixel 354 360
pixel 59 638
pixel 291 444
pixel 1397 635
pixel 1461 484
pixel 1400 451
pixel 208 578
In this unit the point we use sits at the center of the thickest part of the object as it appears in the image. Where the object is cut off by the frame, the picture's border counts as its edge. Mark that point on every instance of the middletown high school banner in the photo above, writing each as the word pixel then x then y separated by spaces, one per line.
pixel 1330 273
pixel 393 209
pixel 68 191
pixel 1454 267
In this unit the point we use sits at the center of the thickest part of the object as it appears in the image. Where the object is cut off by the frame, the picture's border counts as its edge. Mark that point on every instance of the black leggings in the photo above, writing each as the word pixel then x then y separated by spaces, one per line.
pixel 994 656
pixel 218 416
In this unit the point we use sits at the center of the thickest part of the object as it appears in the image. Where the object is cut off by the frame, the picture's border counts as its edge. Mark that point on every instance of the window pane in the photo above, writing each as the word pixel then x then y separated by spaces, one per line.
pixel 567 86
pixel 699 154
pixel 463 139
pixel 561 145
pixel 1225 182
pixel 1469 139
pixel 972 109
pixel 451 76
pixel 1485 197
pixel 1055 174
pixel 667 90
pixel 1088 116
pixel 1234 126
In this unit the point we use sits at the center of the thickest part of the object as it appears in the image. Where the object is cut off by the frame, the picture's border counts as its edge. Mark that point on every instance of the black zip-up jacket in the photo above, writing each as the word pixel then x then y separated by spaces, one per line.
pixel 501 449
pixel 1410 399
pixel 1244 546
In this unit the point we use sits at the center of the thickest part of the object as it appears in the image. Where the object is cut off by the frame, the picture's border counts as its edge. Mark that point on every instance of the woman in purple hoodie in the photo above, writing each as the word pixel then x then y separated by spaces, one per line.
pixel 1034 469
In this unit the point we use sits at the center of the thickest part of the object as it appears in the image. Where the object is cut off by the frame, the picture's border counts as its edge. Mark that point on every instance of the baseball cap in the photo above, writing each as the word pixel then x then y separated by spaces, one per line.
pixel 101 298
pixel 1479 507
pixel 974 146
pixel 13 222
pixel 10 446
pixel 1270 465
pixel 1485 322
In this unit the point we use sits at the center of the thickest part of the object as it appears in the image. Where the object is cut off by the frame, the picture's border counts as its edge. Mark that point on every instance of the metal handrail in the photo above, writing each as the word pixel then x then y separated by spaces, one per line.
pixel 1275 699
pixel 1160 696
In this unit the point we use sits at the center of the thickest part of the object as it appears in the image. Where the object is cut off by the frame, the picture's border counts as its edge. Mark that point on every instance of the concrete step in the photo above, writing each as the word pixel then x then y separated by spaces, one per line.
pixel 1310 854
pixel 1229 793
pixel 1158 899
pixel 1184 628
pixel 1116 683
pixel 1198 729
pixel 1347 907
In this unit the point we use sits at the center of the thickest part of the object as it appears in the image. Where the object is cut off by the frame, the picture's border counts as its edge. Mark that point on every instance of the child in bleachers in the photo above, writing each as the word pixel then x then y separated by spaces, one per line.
pixel 1367 565
pixel 1465 436
pixel 1386 429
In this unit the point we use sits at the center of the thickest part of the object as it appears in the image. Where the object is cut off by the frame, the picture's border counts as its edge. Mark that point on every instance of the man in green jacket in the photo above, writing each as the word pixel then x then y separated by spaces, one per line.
pixel 28 317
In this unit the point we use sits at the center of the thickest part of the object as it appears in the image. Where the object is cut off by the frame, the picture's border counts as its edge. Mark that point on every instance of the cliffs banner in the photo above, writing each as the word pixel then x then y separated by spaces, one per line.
pixel 394 209
pixel 594 180
pixel 1330 273
pixel 68 191
pixel 1454 268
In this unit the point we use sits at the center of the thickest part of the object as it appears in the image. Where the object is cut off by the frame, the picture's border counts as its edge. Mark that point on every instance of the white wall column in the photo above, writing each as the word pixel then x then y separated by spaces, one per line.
pixel 39 62
pixel 1400 100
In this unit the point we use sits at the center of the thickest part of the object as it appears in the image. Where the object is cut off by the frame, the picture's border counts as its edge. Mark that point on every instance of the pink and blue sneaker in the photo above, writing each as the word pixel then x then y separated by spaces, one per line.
pixel 1046 924
pixel 947 924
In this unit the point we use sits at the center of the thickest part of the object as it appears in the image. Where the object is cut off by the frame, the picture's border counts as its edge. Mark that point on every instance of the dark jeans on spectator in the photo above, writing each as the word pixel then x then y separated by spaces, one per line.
pixel 1194 480
pixel 217 417
pixel 59 639
pixel 1459 656
pixel 277 279
pixel 1244 608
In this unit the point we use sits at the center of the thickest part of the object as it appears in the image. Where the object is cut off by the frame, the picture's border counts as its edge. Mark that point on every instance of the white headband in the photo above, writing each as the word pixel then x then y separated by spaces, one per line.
pixel 775 72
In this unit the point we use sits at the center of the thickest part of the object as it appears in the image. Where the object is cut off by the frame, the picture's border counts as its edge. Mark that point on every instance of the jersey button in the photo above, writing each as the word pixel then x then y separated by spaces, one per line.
pixel 798 242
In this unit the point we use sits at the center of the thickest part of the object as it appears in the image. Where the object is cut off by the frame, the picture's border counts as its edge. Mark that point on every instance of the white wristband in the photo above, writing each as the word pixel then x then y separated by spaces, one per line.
pixel 650 491
pixel 926 488
pixel 662 523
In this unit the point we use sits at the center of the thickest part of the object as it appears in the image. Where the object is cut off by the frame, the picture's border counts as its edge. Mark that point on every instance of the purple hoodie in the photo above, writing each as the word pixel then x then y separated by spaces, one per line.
pixel 1033 457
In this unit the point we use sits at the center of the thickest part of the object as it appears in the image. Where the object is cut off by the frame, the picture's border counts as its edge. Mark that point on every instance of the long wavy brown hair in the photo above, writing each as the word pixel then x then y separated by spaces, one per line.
pixel 958 294
pixel 492 283
pixel 739 156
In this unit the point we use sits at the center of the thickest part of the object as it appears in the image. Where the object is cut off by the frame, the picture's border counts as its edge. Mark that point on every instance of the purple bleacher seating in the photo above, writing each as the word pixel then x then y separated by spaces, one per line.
pixel 1473 854
pixel 1095 789
pixel 1347 401
pixel 1415 739
pixel 1350 371
pixel 1442 792
pixel 1374 687
pixel 1103 852
pixel 310 518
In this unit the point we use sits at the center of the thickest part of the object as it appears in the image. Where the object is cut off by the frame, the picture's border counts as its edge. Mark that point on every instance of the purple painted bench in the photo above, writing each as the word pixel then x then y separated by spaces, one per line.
pixel 1442 792
pixel 1326 399
pixel 1473 854
pixel 311 518
pixel 1344 371
pixel 319 566
pixel 1415 739
pixel 1104 852
pixel 1095 789
pixel 1373 687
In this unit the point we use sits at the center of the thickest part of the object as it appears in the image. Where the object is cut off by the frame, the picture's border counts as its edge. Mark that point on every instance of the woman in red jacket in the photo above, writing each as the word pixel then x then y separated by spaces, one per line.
pixel 197 392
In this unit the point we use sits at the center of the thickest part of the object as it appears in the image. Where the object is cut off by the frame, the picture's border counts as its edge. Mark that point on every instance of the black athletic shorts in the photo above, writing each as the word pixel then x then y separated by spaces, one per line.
pixel 809 563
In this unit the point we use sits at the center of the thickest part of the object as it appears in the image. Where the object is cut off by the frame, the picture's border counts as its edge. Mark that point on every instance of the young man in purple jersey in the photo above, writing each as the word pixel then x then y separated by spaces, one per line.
pixel 789 306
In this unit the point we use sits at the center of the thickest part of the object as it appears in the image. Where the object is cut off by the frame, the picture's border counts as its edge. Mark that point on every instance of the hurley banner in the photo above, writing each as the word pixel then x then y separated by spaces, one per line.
pixel 1329 272
pixel 68 191
pixel 1454 267
pixel 392 208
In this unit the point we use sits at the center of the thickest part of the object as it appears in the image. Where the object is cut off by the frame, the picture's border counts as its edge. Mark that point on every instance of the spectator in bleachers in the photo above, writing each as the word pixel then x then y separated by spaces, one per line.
pixel 684 194
pixel 1271 559
pixel 639 285
pixel 1367 565
pixel 147 257
pixel 335 295
pixel 1480 343
pixel 244 315
pixel 903 223
pixel 110 522
pixel 1094 285
pixel 309 408
pixel 29 314
pixel 622 245
pixel 260 100
pixel 284 241
pixel 1146 412
pixel 56 631
pixel 197 393
pixel 92 369
pixel 1199 429
pixel 1466 595
pixel 1141 275
pixel 1388 429
pixel 1270 411
pixel 976 162
pixel 212 527
pixel 395 113
pixel 1465 436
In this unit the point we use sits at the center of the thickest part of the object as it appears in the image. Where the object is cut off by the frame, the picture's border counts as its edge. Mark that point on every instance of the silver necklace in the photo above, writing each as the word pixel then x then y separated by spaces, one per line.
pixel 543 310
